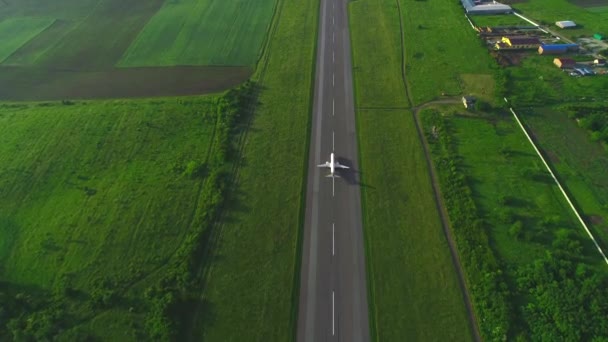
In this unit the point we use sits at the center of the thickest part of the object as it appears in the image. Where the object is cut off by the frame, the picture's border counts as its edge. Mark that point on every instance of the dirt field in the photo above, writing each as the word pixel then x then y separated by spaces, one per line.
pixel 34 83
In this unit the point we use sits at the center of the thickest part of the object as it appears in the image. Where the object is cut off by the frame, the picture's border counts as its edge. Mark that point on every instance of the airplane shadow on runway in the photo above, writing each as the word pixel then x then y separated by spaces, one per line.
pixel 352 176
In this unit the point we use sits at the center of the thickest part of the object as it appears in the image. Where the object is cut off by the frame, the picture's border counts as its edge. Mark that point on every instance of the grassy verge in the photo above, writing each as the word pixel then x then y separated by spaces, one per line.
pixel 249 290
pixel 412 280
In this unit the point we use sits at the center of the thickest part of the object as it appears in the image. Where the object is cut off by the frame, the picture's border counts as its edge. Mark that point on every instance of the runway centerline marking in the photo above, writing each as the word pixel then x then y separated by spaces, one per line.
pixel 333 141
pixel 333 79
pixel 333 315
pixel 333 235
pixel 333 107
pixel 333 186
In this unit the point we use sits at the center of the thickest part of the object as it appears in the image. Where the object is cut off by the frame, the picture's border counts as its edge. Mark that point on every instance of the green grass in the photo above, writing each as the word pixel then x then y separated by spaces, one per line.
pixel 14 32
pixel 414 289
pixel 550 11
pixel 440 51
pixel 520 191
pixel 598 9
pixel 97 190
pixel 498 20
pixel 250 289
pixel 580 163
pixel 384 65
pixel 537 81
pixel 191 32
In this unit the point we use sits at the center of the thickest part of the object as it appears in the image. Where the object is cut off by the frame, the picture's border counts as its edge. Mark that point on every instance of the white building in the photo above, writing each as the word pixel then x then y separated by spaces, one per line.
pixel 485 8
pixel 565 24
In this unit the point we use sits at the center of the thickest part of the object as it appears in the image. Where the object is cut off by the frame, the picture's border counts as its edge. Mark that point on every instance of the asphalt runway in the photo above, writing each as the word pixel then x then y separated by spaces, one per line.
pixel 333 288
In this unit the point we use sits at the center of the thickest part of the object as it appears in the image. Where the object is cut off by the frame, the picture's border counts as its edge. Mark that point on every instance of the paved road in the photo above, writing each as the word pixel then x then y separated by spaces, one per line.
pixel 333 291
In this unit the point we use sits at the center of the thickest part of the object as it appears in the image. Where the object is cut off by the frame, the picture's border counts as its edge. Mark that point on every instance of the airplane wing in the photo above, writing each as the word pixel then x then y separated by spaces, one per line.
pixel 340 166
pixel 326 164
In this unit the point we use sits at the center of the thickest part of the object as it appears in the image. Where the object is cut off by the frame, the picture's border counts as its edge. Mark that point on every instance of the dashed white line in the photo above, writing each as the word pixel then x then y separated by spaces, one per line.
pixel 333 57
pixel 333 107
pixel 333 37
pixel 333 141
pixel 333 186
pixel 333 20
pixel 333 315
pixel 333 246
pixel 333 79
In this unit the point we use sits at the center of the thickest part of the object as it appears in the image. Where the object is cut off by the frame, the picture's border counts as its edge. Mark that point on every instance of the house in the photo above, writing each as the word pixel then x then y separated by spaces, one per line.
pixel 564 62
pixel 554 49
pixel 468 101
pixel 598 36
pixel 565 24
pixel 599 61
pixel 518 43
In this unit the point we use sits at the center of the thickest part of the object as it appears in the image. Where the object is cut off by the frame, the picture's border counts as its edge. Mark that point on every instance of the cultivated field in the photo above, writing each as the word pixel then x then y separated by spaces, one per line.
pixel 50 47
pixel 414 292
pixel 97 203
pixel 14 32
pixel 252 279
pixel 202 33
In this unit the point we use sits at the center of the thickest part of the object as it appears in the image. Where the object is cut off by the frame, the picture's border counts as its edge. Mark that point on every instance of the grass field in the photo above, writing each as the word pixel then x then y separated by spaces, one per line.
pixel 414 291
pixel 537 81
pixel 413 284
pixel 498 20
pixel 251 291
pixel 550 11
pixel 580 163
pixel 95 199
pixel 202 33
pixel 525 216
pixel 438 52
pixel 14 32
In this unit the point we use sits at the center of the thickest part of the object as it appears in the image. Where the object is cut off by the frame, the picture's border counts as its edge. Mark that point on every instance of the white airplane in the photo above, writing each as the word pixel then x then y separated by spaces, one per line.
pixel 332 165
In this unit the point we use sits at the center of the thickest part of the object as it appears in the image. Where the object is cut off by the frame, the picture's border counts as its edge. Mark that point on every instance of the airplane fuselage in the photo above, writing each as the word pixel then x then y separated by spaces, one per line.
pixel 332 167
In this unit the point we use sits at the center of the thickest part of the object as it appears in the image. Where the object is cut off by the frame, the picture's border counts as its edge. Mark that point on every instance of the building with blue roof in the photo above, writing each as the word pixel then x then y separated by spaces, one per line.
pixel 553 49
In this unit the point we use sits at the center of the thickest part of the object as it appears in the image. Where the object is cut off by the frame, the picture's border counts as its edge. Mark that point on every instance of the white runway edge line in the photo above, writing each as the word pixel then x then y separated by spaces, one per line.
pixel 560 186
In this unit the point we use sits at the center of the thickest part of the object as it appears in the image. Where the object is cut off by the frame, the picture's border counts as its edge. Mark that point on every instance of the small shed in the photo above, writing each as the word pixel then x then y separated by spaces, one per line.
pixel 599 61
pixel 468 101
pixel 565 24
pixel 564 62
pixel 598 36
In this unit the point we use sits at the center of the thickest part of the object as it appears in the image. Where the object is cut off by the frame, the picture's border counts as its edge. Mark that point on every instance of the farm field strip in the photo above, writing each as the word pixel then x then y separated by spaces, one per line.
pixel 15 32
pixel 557 182
pixel 202 33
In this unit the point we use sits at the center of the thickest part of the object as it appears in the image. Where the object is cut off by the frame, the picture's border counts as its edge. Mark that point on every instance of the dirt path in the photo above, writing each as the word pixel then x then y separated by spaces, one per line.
pixel 445 221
